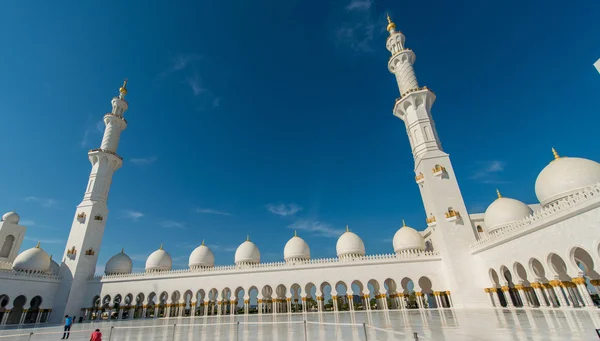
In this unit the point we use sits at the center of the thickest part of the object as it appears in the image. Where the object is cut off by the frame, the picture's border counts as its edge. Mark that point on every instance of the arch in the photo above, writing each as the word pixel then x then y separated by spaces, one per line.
pixel 537 268
pixel 4 299
pixel 7 246
pixel 239 295
pixel 34 309
pixel 326 290
pixel 200 298
pixel 151 309
pixel 521 273
pixel 583 261
pixel 296 295
pixel 311 297
pixel 253 300
pixel 17 310
pixel 106 301
pixel 426 287
pixel 507 275
pixel 409 291
pixel 558 266
pixel 428 245
pixel 341 288
pixel 96 301
pixel 479 229
pixel 494 278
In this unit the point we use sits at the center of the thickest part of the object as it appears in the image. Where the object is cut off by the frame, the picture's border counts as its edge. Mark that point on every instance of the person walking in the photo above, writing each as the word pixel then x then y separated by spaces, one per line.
pixel 96 335
pixel 68 324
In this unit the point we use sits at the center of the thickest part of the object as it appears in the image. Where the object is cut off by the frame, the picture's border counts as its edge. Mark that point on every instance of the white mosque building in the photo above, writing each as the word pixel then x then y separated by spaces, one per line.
pixel 543 255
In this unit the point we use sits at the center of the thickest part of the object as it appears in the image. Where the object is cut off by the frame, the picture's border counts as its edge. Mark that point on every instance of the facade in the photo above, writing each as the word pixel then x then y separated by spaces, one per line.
pixel 460 260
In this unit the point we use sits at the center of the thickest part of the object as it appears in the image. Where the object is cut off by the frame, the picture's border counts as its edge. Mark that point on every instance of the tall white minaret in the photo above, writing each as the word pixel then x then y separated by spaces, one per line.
pixel 444 206
pixel 85 238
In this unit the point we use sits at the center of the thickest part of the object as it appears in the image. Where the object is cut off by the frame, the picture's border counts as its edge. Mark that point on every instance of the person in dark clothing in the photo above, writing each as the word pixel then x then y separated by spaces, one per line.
pixel 68 324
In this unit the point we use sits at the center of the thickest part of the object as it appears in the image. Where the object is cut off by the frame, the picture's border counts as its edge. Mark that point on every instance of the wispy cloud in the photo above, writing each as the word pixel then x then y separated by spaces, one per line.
pixel 27 223
pixel 217 247
pixel 359 5
pixel 88 129
pixel 488 172
pixel 143 161
pixel 45 240
pixel 317 228
pixel 283 210
pixel 100 126
pixel 216 102
pixel 45 202
pixel 211 211
pixel 195 85
pixel 172 224
pixel 178 63
pixel 133 215
pixel 84 138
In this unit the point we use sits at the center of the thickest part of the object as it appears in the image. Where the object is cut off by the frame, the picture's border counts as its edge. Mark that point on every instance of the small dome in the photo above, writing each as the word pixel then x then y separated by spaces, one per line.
pixel 349 244
pixel 296 248
pixel 119 264
pixel 202 257
pixel 34 259
pixel 54 267
pixel 564 176
pixel 407 238
pixel 247 253
pixel 159 260
pixel 504 211
pixel 11 217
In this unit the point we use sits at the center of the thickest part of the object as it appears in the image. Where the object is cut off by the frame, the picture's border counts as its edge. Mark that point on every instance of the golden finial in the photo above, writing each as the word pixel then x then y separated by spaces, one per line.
pixel 403 223
pixel 247 237
pixel 122 250
pixel 202 242
pixel 161 246
pixel 50 257
pixel 347 228
pixel 498 192
pixel 391 26
pixel 556 156
pixel 123 89
pixel 295 233
pixel 38 245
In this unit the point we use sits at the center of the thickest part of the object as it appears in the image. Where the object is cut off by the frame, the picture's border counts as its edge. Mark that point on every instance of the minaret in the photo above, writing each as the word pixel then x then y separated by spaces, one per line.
pixel 444 206
pixel 85 238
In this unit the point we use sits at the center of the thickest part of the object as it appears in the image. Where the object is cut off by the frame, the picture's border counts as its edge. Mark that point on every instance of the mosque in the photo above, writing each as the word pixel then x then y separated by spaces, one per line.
pixel 544 255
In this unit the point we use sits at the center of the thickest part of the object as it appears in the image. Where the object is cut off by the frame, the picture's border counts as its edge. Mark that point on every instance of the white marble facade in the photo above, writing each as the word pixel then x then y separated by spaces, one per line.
pixel 539 255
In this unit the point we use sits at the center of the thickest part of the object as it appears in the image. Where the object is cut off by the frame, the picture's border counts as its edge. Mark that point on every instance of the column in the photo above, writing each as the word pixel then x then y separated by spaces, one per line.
pixel 144 311
pixel 402 301
pixel 334 298
pixel 521 291
pixel 489 291
pixel 449 299
pixel 537 287
pixel 23 314
pixel 131 313
pixel 320 303
pixel 120 314
pixel 558 293
pixel 246 306
pixel 596 284
pixel 419 296
pixel 205 307
pixel 580 283
pixel 350 302
pixel 438 300
pixel 39 316
pixel 506 292
pixel 5 317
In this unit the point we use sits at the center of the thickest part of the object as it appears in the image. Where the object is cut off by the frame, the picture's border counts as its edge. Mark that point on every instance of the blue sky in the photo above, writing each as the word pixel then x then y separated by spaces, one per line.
pixel 263 117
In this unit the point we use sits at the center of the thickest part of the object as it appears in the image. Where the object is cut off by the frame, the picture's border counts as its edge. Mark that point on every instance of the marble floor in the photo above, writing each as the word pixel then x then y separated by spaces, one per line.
pixel 434 325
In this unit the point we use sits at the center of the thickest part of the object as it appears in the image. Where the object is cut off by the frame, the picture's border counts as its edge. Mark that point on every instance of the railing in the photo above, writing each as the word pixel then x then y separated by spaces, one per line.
pixel 410 91
pixel 545 216
pixel 106 151
pixel 9 272
pixel 232 331
pixel 282 265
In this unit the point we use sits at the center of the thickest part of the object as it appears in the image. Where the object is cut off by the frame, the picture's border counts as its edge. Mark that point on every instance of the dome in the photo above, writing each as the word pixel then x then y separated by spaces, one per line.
pixel 34 259
pixel 407 238
pixel 119 264
pixel 564 176
pixel 247 253
pixel 349 244
pixel 11 217
pixel 54 267
pixel 504 211
pixel 202 257
pixel 296 248
pixel 159 260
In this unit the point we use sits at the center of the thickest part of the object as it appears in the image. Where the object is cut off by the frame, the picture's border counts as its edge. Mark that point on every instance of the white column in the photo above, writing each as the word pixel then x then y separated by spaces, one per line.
pixel 131 313
pixel 585 294
pixel 419 296
pixel 507 297
pixel 438 299
pixel 334 298
pixel 521 291
pixel 449 299
pixel 39 316
pixel 120 314
pixel 558 293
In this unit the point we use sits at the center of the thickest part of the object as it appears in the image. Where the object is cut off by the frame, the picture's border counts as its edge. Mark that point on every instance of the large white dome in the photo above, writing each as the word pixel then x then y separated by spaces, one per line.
pixel 247 253
pixel 201 257
pixel 349 244
pixel 564 176
pixel 159 260
pixel 119 264
pixel 504 211
pixel 11 217
pixel 407 238
pixel 54 267
pixel 34 259
pixel 296 249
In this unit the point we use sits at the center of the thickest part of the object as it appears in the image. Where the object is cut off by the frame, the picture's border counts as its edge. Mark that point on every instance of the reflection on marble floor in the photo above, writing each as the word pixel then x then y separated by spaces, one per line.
pixel 430 324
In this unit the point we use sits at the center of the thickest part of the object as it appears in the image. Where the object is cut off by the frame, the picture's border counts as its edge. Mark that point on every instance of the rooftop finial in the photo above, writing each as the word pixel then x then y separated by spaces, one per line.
pixel 247 237
pixel 295 233
pixel 556 156
pixel 123 89
pixel 161 246
pixel 38 245
pixel 347 228
pixel 403 223
pixel 391 27
pixel 498 192
pixel 202 242
pixel 122 250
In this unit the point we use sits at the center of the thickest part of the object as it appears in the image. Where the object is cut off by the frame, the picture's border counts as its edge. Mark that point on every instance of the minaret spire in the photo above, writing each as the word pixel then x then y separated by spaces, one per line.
pixel 391 27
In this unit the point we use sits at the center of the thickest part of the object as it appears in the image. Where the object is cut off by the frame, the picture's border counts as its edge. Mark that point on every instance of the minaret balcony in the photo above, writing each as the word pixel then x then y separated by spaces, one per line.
pixel 438 171
pixel 452 215
pixel 406 93
pixel 106 151
pixel 431 221
pixel 420 178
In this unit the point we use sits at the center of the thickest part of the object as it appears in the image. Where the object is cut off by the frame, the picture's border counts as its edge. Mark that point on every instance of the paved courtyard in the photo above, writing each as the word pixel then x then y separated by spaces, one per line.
pixel 435 325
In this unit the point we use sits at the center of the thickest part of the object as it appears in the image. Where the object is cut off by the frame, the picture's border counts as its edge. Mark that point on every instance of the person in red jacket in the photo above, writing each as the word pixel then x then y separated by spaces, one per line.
pixel 96 335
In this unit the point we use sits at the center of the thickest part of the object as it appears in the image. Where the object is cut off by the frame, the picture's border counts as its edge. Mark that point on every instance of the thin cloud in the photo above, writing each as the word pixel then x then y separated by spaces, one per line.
pixel 283 209
pixel 100 126
pixel 316 228
pixel 143 161
pixel 84 138
pixel 133 215
pixel 359 5
pixel 27 223
pixel 217 247
pixel 195 85
pixel 45 202
pixel 216 102
pixel 211 211
pixel 45 240
pixel 178 63
pixel 488 172
pixel 172 224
